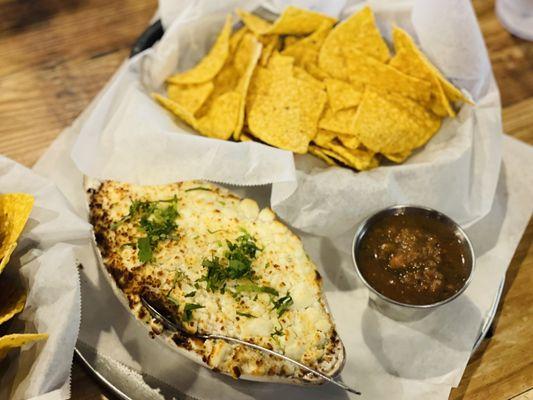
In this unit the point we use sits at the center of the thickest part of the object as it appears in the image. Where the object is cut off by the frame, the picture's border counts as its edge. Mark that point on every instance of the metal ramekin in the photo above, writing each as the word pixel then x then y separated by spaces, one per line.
pixel 392 308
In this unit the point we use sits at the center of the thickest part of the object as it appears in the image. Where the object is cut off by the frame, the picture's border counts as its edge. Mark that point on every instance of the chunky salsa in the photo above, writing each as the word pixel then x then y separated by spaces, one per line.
pixel 413 258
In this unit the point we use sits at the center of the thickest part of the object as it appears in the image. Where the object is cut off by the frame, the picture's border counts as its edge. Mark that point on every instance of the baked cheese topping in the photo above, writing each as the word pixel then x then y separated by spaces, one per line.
pixel 218 264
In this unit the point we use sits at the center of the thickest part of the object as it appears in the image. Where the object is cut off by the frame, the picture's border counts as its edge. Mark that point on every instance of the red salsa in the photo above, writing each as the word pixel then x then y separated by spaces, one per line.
pixel 414 258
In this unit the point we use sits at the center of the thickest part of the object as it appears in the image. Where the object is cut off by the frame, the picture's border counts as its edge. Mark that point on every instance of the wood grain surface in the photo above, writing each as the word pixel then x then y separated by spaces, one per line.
pixel 56 55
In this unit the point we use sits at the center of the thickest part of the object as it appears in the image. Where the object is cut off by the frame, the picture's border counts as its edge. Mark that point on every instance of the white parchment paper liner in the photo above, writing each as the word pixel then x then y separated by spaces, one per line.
pixel 124 136
pixel 49 271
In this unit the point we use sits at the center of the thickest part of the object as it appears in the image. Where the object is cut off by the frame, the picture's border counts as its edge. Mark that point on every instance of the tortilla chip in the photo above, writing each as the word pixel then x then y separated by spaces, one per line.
pixel 323 137
pixel 12 299
pixel 341 121
pixel 306 50
pixel 211 64
pixel 236 38
pixel 398 157
pixel 358 32
pixel 413 62
pixel 318 152
pixel 360 159
pixel 15 340
pixel 349 141
pixel 222 116
pixel 300 73
pixel 244 137
pixel 177 109
pixel 354 66
pixel 297 21
pixel 290 40
pixel 15 208
pixel 285 112
pixel 270 43
pixel 190 97
pixel 343 95
pixel 256 24
pixel 249 53
pixel 409 60
pixel 392 124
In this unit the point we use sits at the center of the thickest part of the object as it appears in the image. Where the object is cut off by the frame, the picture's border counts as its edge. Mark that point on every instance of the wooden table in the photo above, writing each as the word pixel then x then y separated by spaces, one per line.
pixel 56 55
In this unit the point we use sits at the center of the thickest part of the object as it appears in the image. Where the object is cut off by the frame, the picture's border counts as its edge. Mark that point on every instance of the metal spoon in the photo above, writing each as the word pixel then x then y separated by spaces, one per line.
pixel 178 328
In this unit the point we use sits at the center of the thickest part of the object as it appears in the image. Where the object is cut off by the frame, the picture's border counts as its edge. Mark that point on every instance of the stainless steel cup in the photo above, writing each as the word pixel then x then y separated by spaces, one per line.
pixel 392 308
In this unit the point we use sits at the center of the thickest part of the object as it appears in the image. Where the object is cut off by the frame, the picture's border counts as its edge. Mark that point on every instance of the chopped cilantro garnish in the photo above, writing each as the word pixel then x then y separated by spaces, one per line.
pixel 157 222
pixel 236 263
pixel 277 332
pixel 282 304
pixel 188 309
pixel 242 314
pixel 144 249
pixel 198 188
pixel 255 288
pixel 191 294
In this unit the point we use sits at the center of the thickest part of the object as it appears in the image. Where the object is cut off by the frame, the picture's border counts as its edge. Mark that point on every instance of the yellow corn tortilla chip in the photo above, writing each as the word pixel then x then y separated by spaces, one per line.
pixel 252 49
pixel 418 65
pixel 305 51
pixel 349 141
pixel 244 137
pixel 398 157
pixel 190 97
pixel 360 159
pixel 343 95
pixel 354 66
pixel 290 40
pixel 318 152
pixel 285 113
pixel 211 64
pixel 323 137
pixel 409 60
pixel 341 121
pixel 236 38
pixel 12 299
pixel 271 44
pixel 300 73
pixel 297 21
pixel 177 109
pixel 392 124
pixel 15 208
pixel 256 24
pixel 221 117
pixel 358 32
pixel 16 340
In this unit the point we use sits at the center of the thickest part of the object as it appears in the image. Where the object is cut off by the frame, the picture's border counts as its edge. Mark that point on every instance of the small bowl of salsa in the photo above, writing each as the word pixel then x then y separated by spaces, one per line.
pixel 412 259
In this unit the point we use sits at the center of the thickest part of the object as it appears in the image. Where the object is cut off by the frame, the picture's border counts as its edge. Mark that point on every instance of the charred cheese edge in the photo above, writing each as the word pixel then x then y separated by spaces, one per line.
pixel 209 219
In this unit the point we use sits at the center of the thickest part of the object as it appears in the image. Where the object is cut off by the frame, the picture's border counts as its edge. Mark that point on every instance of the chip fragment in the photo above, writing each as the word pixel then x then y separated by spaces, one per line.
pixel 191 97
pixel 211 64
pixel 12 299
pixel 15 208
pixel 16 340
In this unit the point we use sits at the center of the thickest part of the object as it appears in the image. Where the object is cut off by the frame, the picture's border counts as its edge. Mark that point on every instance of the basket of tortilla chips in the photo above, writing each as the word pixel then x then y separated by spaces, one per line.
pixel 311 84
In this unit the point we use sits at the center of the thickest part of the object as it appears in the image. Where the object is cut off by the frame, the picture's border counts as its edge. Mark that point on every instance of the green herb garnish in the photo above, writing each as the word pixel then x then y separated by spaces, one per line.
pixel 282 304
pixel 236 263
pixel 255 288
pixel 188 309
pixel 191 294
pixel 198 188
pixel 156 222
pixel 144 249
pixel 242 314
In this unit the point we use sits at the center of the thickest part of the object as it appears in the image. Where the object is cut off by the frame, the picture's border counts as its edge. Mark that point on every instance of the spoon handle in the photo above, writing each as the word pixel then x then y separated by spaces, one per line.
pixel 284 357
